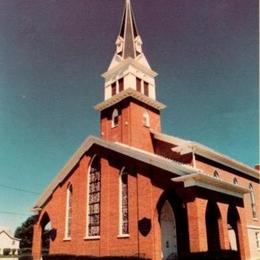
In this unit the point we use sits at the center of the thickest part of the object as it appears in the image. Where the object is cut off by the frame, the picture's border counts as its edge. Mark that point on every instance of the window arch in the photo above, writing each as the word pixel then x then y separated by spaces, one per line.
pixel 93 198
pixel 123 202
pixel 253 202
pixel 235 181
pixel 115 117
pixel 146 118
pixel 216 175
pixel 68 212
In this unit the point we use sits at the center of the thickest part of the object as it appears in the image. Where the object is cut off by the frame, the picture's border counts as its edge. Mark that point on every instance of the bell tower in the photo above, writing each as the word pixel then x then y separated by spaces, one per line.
pixel 130 109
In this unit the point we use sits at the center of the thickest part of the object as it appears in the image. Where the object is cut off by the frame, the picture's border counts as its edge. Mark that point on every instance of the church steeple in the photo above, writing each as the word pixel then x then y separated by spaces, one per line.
pixel 128 36
pixel 130 109
pixel 129 42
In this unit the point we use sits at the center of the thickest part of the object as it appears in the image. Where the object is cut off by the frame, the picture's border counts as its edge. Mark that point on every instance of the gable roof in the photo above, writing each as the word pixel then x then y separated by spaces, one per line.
pixel 8 234
pixel 186 146
pixel 135 153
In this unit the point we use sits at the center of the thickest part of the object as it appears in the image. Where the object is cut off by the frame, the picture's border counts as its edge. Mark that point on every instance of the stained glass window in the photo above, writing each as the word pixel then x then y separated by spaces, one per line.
pixel 124 202
pixel 94 199
pixel 253 202
pixel 68 212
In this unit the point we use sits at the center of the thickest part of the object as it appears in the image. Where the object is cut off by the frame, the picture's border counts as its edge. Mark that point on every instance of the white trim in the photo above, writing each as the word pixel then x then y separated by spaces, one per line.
pixel 69 191
pixel 253 227
pixel 115 114
pixel 208 182
pixel 120 231
pixel 207 152
pixel 253 201
pixel 152 159
pixel 126 62
pixel 123 236
pixel 129 92
pixel 92 238
pixel 146 119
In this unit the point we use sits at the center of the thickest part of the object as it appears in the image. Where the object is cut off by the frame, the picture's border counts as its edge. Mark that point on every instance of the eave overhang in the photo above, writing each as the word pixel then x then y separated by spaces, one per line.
pixel 212 183
pixel 186 146
pixel 11 237
pixel 132 152
pixel 129 93
pixel 123 66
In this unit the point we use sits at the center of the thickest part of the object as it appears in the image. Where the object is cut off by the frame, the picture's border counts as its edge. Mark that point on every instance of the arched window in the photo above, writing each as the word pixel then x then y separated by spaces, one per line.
pixel 146 118
pixel 253 202
pixel 93 199
pixel 123 203
pixel 216 175
pixel 115 116
pixel 235 181
pixel 68 212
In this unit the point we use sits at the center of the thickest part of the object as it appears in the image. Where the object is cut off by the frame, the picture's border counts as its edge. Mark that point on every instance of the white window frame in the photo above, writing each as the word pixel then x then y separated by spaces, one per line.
pixel 114 115
pixel 69 193
pixel 253 201
pixel 146 119
pixel 216 175
pixel 120 233
pixel 87 237
pixel 257 240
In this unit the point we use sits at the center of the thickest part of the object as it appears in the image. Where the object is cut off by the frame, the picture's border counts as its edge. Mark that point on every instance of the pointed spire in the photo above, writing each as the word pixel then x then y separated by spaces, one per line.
pixel 126 42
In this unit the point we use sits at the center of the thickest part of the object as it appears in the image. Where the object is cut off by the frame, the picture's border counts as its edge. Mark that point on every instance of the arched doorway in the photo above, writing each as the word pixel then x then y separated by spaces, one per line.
pixel 213 218
pixel 168 232
pixel 45 234
pixel 233 228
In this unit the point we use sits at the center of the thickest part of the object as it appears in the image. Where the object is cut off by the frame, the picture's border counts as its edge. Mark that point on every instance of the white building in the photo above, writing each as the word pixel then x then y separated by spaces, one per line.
pixel 8 241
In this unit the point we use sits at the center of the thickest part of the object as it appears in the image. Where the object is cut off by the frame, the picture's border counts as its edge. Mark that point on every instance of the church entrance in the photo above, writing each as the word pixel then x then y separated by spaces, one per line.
pixel 168 233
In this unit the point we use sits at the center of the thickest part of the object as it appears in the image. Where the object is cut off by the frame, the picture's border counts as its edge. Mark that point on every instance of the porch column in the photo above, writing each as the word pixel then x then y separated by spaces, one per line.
pixel 196 210
pixel 37 237
pixel 242 234
pixel 223 226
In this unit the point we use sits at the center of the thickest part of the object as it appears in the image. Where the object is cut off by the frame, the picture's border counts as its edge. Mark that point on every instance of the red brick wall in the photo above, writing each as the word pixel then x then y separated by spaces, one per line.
pixel 130 129
pixel 146 186
pixel 243 181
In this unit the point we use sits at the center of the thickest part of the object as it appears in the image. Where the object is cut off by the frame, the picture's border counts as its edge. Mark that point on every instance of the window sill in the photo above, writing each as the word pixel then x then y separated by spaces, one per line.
pixel 67 239
pixel 123 236
pixel 115 126
pixel 255 219
pixel 92 238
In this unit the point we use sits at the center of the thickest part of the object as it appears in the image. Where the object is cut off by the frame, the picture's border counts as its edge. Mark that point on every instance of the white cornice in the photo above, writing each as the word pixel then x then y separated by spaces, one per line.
pixel 129 93
pixel 125 63
pixel 204 151
pixel 208 182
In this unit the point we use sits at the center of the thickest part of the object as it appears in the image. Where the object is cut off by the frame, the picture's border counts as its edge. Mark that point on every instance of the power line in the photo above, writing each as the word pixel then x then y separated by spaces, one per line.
pixel 18 189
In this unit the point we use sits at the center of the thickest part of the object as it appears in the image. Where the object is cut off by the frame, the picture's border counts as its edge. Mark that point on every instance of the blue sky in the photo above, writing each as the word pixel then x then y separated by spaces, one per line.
pixel 52 53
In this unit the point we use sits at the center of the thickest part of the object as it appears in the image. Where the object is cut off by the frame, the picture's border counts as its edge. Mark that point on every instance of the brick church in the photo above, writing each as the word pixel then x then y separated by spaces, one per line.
pixel 135 191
